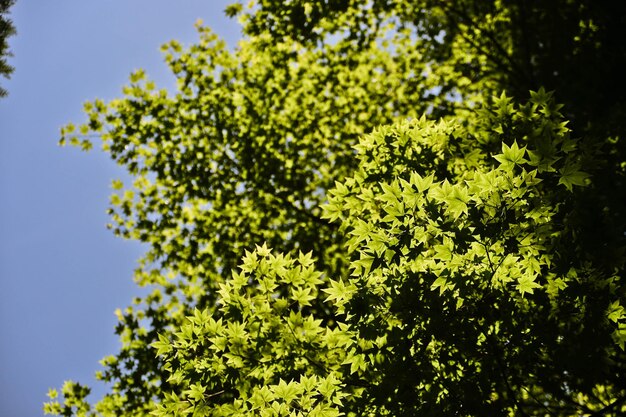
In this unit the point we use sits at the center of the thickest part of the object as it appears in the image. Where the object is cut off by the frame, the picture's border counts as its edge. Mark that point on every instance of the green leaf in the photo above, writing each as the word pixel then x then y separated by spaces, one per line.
pixel 572 175
pixel 457 201
pixel 616 312
pixel 52 393
pixel 422 183
pixel 339 292
pixel 302 296
pixel 510 156
pixel 287 392
pixel 117 184
pixel 195 392
pixel 163 345
pixel 440 283
pixel 526 284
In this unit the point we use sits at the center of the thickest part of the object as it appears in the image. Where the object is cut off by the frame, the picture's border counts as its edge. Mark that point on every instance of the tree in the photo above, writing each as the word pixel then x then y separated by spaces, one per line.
pixel 362 210
pixel 6 30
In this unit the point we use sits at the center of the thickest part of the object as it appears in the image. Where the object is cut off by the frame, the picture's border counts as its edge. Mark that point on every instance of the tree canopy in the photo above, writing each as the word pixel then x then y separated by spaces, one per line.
pixel 6 30
pixel 374 208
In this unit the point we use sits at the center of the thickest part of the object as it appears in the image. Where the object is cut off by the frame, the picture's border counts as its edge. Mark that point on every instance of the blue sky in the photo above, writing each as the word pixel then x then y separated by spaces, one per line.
pixel 62 273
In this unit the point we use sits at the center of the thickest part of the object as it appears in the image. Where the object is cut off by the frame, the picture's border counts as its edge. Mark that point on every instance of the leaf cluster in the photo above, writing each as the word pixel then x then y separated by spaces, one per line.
pixel 462 262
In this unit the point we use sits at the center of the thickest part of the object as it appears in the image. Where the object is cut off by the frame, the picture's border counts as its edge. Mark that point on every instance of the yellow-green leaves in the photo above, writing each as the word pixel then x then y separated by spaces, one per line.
pixel 73 400
pixel 347 214
pixel 443 247
pixel 527 284
pixel 617 314
pixel 260 352
pixel 163 346
pixel 52 393
pixel 422 184
pixel 339 293
pixel 511 156
pixel 456 197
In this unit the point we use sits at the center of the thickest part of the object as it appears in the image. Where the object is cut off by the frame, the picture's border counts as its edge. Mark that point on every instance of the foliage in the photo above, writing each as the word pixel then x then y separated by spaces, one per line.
pixel 464 263
pixel 6 30
pixel 437 246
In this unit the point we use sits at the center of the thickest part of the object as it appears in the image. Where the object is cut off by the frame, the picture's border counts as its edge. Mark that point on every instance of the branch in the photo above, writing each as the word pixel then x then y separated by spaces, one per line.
pixel 505 378
pixel 512 66
pixel 610 407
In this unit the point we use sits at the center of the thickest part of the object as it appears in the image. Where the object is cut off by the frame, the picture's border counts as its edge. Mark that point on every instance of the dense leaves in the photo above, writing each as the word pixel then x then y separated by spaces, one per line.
pixel 462 262
pixel 374 208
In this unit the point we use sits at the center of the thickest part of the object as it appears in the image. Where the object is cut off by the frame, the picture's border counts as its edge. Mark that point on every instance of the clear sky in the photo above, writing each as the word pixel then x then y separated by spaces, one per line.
pixel 62 273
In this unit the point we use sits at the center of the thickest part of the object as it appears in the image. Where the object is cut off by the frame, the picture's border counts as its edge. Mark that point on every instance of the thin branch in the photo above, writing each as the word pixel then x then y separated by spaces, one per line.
pixel 610 407
pixel 505 378
pixel 213 394
pixel 512 66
